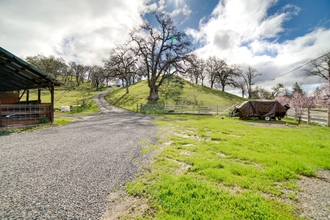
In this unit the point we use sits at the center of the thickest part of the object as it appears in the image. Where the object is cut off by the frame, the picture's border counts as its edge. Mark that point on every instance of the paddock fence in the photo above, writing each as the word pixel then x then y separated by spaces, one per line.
pixel 184 109
pixel 319 116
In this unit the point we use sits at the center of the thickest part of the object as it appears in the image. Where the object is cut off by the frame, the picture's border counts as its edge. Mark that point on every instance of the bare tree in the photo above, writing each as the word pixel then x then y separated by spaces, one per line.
pixel 247 78
pixel 214 67
pixel 197 72
pixel 322 95
pixel 277 90
pixel 97 75
pixel 320 67
pixel 228 76
pixel 77 71
pixel 162 49
pixel 122 64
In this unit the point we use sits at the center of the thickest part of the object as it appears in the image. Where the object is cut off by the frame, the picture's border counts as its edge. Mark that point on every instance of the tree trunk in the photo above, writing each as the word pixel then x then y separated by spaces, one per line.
pixel 127 91
pixel 153 96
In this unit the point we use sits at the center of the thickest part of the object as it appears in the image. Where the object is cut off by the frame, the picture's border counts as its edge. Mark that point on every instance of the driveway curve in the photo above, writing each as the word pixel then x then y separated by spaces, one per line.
pixel 67 172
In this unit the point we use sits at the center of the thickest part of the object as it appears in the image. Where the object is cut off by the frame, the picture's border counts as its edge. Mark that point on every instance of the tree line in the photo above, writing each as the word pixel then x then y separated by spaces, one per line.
pixel 158 52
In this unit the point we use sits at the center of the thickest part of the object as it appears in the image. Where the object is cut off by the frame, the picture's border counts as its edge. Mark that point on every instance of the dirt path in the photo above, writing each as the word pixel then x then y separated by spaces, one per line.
pixel 67 172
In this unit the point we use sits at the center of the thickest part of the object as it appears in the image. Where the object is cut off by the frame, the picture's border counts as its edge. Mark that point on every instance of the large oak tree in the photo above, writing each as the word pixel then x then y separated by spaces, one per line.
pixel 162 48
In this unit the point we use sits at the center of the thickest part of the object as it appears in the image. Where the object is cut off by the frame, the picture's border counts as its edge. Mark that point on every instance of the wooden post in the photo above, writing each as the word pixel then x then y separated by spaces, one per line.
pixel 328 119
pixel 27 96
pixel 52 104
pixel 137 107
pixel 0 116
pixel 217 109
pixel 39 95
pixel 308 115
pixel 198 109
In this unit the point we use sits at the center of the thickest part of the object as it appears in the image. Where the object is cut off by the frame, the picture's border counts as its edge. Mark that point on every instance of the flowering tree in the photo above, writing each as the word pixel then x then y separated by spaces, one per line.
pixel 322 96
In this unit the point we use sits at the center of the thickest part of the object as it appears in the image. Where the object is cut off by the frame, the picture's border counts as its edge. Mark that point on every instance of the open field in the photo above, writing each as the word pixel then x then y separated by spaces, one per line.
pixel 206 167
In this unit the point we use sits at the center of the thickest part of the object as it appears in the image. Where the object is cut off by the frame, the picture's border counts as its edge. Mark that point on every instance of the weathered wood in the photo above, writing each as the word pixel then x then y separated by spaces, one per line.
pixel 0 115
pixel 9 97
pixel 328 119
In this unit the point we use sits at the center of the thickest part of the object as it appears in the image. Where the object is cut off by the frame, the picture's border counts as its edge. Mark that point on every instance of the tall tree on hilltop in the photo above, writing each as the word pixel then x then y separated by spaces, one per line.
pixel 162 49
pixel 247 80
pixel 214 67
pixel 197 72
pixel 228 76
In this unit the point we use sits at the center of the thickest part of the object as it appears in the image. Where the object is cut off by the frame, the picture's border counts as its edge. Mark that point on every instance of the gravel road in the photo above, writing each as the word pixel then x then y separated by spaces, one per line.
pixel 67 172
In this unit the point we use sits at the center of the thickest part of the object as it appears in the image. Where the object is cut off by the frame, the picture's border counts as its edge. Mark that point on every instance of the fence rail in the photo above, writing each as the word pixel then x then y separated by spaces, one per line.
pixel 16 115
pixel 185 109
pixel 319 116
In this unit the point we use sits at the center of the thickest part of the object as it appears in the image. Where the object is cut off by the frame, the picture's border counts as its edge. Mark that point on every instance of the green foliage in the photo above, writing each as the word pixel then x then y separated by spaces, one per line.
pixel 221 168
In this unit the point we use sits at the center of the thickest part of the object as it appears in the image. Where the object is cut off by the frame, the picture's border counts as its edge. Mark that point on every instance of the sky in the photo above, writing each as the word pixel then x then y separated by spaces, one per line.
pixel 273 36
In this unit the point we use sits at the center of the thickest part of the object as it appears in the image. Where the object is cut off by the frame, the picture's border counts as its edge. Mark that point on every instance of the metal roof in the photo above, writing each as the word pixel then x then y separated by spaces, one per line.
pixel 16 74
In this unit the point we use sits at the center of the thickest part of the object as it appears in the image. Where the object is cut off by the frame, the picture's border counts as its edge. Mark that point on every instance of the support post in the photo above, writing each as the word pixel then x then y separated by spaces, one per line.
pixel 39 95
pixel 27 96
pixel 308 115
pixel 52 104
pixel 0 116
pixel 328 120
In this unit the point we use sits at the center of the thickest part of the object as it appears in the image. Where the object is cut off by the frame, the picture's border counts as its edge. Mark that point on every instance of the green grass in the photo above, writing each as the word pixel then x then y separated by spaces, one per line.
pixel 229 169
pixel 82 95
pixel 57 122
pixel 173 91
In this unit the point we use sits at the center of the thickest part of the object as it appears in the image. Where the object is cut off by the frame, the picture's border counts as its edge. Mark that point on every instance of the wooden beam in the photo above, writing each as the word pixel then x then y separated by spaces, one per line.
pixel 52 103
pixel 0 115
pixel 27 96
pixel 22 95
pixel 39 95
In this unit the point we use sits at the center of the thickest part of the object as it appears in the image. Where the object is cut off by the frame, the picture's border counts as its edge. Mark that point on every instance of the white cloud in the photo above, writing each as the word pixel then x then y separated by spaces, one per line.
pixel 80 30
pixel 243 32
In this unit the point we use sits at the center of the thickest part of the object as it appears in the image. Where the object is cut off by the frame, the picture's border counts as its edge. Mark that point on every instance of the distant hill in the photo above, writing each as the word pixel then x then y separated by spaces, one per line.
pixel 175 90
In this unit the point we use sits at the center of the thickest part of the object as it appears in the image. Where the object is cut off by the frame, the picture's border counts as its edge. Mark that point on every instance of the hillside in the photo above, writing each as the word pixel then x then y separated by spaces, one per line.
pixel 173 91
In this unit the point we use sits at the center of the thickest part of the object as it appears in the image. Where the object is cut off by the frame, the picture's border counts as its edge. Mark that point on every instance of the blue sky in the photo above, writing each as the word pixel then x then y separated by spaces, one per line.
pixel 273 36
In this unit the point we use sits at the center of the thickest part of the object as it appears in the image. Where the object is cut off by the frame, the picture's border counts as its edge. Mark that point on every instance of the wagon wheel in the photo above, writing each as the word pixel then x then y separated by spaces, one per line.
pixel 267 118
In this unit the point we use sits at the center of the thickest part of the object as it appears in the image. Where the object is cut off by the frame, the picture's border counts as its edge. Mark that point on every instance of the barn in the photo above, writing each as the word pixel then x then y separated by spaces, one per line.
pixel 17 78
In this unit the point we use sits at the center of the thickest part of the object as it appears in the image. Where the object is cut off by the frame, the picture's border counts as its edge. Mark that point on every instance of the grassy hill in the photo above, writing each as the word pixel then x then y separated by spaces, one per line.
pixel 175 90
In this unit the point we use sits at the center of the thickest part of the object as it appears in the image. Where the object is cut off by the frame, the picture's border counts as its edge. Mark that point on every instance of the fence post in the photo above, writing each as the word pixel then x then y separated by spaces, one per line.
pixel 328 119
pixel 0 116
pixel 308 115
pixel 137 107
pixel 217 109
pixel 198 109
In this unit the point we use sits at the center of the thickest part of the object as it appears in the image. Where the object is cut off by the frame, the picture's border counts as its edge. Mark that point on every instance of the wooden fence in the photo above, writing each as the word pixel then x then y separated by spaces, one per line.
pixel 319 116
pixel 20 115
pixel 185 109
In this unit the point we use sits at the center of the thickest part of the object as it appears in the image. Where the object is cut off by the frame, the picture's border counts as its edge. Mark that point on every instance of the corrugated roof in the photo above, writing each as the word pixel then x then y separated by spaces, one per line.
pixel 16 74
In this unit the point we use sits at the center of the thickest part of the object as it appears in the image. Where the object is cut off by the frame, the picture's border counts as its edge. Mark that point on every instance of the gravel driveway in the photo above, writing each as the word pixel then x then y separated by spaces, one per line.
pixel 67 172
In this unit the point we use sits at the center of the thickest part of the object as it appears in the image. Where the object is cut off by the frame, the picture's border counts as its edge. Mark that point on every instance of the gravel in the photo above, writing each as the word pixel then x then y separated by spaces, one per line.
pixel 314 197
pixel 67 172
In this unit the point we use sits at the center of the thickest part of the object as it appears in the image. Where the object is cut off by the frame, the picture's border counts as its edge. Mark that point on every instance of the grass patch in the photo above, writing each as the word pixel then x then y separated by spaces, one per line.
pixel 57 122
pixel 232 166
pixel 62 121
